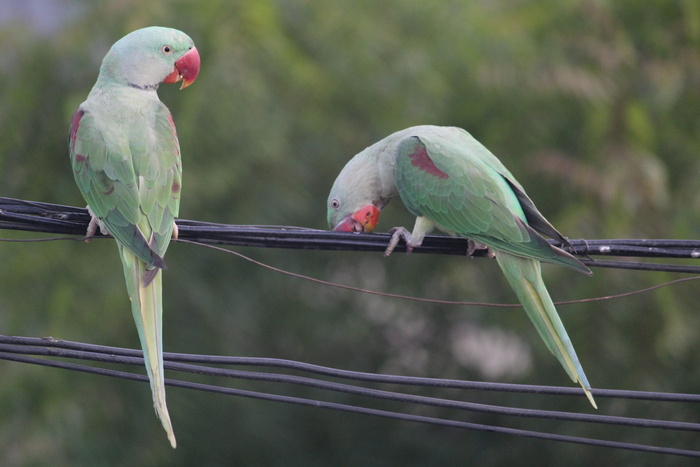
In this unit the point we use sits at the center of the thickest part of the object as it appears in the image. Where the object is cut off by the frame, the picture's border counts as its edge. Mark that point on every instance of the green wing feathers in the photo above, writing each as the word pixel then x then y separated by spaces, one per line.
pixel 448 176
pixel 131 178
pixel 147 308
pixel 524 276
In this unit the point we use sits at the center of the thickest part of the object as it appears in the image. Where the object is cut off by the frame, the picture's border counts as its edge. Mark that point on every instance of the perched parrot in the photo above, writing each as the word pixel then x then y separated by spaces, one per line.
pixel 451 181
pixel 126 162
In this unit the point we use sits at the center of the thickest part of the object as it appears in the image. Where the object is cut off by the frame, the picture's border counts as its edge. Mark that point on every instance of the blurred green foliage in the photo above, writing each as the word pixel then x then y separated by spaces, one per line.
pixel 593 105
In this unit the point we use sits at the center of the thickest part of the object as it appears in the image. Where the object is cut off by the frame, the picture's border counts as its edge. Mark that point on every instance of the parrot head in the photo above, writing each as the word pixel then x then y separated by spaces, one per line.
pixel 355 200
pixel 147 57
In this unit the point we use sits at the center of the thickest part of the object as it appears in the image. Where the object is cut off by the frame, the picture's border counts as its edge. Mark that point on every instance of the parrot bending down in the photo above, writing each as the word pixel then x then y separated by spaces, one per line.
pixel 126 161
pixel 451 181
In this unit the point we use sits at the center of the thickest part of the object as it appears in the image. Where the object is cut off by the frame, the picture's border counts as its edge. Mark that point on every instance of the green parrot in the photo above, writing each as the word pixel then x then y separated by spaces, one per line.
pixel 126 161
pixel 451 181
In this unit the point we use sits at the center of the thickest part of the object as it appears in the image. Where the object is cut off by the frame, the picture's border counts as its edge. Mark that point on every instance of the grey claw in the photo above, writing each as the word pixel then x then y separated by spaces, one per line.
pixel 93 225
pixel 399 233
pixel 473 246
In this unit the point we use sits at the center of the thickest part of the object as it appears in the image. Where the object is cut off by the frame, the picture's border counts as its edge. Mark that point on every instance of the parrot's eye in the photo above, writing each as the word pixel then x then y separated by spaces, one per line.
pixel 166 49
pixel 335 204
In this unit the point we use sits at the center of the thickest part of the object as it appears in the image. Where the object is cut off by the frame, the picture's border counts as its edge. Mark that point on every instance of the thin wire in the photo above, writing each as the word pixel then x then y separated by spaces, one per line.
pixel 432 300
pixel 387 395
pixel 389 294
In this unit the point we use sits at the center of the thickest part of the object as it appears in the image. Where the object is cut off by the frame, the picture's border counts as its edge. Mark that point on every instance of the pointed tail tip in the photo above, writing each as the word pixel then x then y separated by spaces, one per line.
pixel 164 416
pixel 171 438
pixel 168 427
pixel 589 396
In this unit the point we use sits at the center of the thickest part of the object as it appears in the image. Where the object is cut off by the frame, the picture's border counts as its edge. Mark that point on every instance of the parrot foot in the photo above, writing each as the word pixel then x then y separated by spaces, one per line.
pixel 93 225
pixel 473 246
pixel 398 234
pixel 176 231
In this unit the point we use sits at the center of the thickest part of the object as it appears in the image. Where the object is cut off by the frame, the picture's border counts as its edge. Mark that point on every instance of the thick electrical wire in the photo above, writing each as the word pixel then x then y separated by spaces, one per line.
pixel 17 349
pixel 33 216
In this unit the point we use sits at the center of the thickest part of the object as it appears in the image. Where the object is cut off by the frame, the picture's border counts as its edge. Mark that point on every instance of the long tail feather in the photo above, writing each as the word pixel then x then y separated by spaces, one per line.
pixel 524 276
pixel 145 293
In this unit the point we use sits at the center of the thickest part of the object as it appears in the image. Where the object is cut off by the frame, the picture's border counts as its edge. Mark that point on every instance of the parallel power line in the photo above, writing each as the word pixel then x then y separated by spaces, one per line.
pixel 57 219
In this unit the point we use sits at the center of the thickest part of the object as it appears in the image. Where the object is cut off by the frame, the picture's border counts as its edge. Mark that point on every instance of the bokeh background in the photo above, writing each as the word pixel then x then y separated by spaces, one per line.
pixel 593 105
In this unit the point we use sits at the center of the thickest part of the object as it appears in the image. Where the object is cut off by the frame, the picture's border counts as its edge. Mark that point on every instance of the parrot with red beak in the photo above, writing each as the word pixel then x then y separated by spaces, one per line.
pixel 125 157
pixel 449 180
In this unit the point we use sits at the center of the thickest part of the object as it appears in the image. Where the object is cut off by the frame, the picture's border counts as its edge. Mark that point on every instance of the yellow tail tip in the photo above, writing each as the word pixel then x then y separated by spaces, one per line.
pixel 590 396
pixel 173 441
pixel 164 416
pixel 168 427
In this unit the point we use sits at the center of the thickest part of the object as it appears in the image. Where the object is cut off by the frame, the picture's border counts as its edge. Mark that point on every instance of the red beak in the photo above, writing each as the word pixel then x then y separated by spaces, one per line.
pixel 186 69
pixel 364 220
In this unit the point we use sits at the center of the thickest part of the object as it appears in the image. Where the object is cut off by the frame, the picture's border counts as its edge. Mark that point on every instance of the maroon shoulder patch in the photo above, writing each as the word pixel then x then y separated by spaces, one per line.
pixel 172 124
pixel 421 159
pixel 74 125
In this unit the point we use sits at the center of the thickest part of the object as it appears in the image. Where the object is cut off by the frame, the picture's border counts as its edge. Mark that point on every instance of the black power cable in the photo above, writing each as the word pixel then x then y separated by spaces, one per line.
pixel 35 216
pixel 16 349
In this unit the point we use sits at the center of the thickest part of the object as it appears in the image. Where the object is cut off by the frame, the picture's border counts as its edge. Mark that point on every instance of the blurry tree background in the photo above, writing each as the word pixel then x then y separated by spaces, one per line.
pixel 593 105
